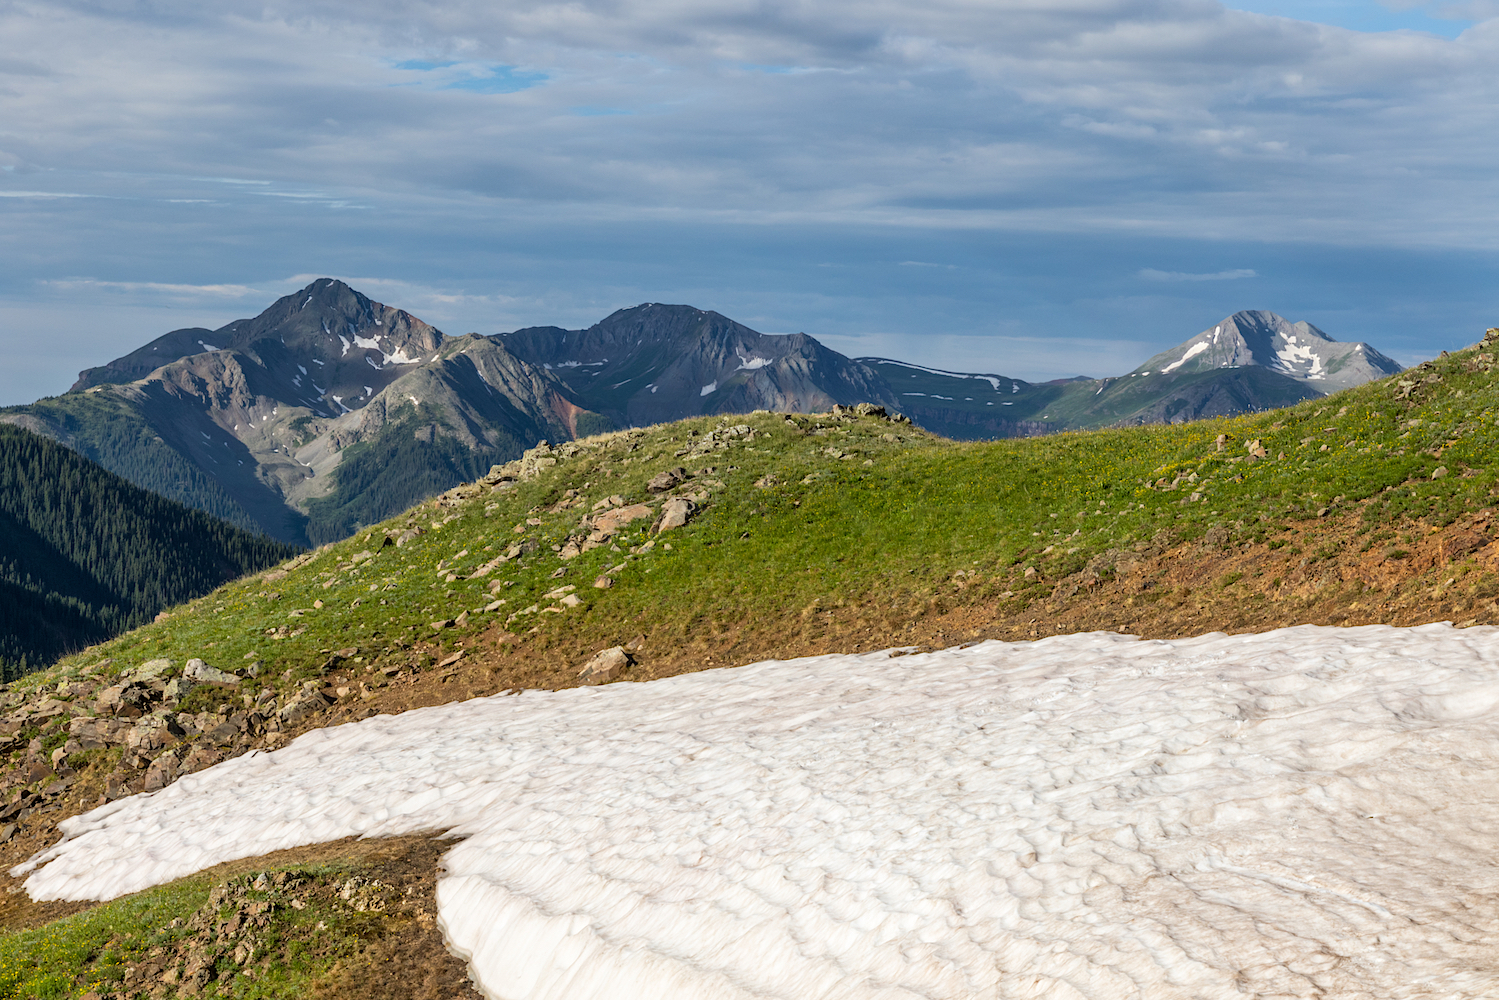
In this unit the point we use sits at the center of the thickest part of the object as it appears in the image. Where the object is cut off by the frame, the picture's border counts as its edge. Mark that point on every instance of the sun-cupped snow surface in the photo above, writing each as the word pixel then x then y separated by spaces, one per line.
pixel 1306 812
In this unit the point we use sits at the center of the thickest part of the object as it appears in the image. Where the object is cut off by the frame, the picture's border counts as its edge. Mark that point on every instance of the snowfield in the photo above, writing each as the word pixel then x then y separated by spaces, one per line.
pixel 1310 811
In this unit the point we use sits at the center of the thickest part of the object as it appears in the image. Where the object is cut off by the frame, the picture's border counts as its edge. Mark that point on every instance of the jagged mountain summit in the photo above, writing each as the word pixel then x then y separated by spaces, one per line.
pixel 330 410
pixel 325 411
pixel 656 363
pixel 1298 351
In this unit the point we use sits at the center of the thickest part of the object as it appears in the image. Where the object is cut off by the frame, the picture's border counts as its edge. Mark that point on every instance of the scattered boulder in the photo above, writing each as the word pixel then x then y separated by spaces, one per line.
pixel 153 732
pixel 303 705
pixel 605 666
pixel 179 688
pixel 675 513
pixel 603 582
pixel 150 670
pixel 664 481
pixel 1440 472
pixel 197 670
pixel 408 535
pixel 129 700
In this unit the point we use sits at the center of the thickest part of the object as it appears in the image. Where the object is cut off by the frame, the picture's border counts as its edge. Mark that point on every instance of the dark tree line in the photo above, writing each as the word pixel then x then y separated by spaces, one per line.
pixel 85 554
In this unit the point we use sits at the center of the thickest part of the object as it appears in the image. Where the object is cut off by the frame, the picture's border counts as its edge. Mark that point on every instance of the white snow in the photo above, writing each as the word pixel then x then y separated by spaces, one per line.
pixel 752 363
pixel 709 388
pixel 1293 354
pixel 368 343
pixel 345 341
pixel 340 401
pixel 206 347
pixel 301 369
pixel 372 363
pixel 1311 811
pixel 317 362
pixel 1188 355
pixel 368 390
pixel 414 400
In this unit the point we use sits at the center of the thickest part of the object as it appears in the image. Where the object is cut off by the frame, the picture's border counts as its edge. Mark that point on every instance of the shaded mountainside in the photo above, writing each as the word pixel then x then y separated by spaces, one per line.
pixel 655 363
pixel 330 411
pixel 85 554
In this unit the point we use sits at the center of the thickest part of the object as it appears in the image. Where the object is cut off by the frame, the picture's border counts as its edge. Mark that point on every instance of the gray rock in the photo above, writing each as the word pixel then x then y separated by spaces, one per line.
pixel 199 671
pixel 664 481
pixel 605 666
pixel 303 705
pixel 150 670
pixel 179 688
pixel 675 513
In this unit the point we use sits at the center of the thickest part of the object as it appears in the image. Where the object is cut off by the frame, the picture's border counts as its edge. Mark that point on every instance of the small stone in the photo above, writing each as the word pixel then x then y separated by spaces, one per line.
pixel 664 481
pixel 445 623
pixel 448 661
pixel 572 600
pixel 605 666
pixel 603 582
pixel 1440 472
pixel 1030 572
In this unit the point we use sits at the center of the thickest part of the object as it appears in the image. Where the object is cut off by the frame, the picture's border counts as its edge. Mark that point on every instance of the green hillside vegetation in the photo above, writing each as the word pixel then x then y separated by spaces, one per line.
pixel 800 518
pixel 104 430
pixel 396 469
pixel 850 510
pixel 85 555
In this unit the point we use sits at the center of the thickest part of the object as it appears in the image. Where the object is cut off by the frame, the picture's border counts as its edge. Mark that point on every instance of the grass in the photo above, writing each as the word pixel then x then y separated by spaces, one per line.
pixel 889 524
pixel 256 937
pixel 806 515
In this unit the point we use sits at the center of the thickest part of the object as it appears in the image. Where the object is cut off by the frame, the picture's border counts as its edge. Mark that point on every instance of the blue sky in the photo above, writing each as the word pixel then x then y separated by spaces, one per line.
pixel 1032 188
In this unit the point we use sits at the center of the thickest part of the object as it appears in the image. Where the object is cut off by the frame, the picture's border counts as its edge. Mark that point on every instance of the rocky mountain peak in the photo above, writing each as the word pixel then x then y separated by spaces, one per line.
pixel 1256 337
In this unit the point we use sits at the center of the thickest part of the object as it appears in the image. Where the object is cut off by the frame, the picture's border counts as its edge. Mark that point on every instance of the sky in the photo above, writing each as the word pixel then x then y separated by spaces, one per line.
pixel 1034 188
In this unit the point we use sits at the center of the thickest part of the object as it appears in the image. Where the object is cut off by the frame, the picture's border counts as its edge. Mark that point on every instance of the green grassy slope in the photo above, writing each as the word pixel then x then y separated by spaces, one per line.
pixel 799 517
pixel 860 510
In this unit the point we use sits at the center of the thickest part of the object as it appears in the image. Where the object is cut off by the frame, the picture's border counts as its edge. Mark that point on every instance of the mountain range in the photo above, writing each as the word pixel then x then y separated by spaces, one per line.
pixel 329 410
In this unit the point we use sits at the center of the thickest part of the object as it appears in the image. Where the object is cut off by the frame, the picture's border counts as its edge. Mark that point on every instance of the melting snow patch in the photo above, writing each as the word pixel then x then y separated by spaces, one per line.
pixel 709 388
pixel 345 341
pixel 301 369
pixel 751 364
pixel 368 343
pixel 340 401
pixel 1191 353
pixel 206 347
pixel 1087 816
pixel 317 362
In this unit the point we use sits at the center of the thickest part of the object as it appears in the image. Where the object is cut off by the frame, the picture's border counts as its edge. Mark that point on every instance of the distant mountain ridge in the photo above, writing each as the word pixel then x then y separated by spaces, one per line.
pixel 330 410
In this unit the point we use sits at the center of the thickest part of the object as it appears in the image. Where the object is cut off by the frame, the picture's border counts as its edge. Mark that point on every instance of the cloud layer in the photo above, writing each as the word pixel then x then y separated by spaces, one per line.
pixel 547 162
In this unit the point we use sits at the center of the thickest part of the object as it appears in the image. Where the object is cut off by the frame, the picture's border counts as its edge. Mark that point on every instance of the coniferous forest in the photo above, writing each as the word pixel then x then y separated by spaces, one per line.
pixel 85 554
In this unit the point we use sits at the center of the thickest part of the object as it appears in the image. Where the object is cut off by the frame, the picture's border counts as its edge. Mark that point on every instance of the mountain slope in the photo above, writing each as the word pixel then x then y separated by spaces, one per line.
pixel 1298 351
pixel 329 411
pixel 85 554
pixel 1372 506
pixel 655 363
pixel 1248 362
pixel 252 419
